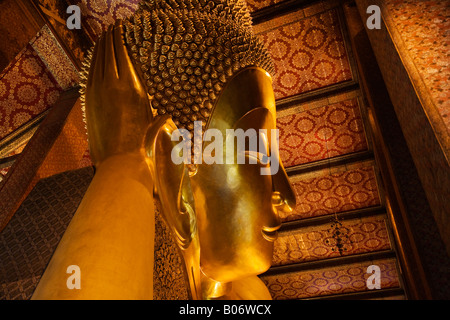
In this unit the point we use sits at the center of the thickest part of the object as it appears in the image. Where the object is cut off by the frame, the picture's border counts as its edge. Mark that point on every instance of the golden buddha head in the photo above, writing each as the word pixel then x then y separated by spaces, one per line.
pixel 200 62
pixel 237 202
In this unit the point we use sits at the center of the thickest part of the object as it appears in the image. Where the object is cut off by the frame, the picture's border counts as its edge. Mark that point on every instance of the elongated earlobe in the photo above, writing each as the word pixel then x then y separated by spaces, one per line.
pixel 171 180
pixel 173 189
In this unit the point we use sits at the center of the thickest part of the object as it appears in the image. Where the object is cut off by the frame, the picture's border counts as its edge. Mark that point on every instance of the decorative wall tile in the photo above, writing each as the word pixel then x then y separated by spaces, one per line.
pixel 99 14
pixel 321 133
pixel 27 89
pixel 23 174
pixel 30 238
pixel 329 281
pixel 317 242
pixel 77 41
pixel 308 54
pixel 322 192
pixel 55 59
pixel 425 30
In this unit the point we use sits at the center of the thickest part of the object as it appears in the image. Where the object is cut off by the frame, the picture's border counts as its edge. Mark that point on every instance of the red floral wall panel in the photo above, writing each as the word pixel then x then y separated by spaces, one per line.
pixel 321 133
pixel 330 280
pixel 317 242
pixel 308 53
pixel 55 58
pixel 27 89
pixel 100 14
pixel 322 192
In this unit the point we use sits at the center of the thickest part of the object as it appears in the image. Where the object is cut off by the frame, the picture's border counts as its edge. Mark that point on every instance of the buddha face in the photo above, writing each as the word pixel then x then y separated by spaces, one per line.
pixel 236 205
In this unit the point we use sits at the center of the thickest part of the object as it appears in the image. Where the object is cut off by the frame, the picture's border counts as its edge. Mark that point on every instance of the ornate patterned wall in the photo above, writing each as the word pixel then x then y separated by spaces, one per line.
pixel 330 281
pixel 424 27
pixel 99 15
pixel 410 34
pixel 317 242
pixel 55 59
pixel 320 133
pixel 308 53
pixel 321 192
pixel 311 55
pixel 30 238
pixel 27 89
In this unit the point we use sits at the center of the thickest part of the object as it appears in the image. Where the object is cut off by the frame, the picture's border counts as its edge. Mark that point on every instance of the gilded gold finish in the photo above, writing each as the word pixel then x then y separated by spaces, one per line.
pixel 247 218
pixel 188 50
pixel 111 235
pixel 223 216
pixel 225 197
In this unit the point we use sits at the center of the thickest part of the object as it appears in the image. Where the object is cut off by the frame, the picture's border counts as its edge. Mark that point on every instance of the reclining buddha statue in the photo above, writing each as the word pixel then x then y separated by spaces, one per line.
pixel 190 66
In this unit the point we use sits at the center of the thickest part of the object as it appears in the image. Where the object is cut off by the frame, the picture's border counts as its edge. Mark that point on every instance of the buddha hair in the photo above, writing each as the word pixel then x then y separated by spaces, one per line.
pixel 187 50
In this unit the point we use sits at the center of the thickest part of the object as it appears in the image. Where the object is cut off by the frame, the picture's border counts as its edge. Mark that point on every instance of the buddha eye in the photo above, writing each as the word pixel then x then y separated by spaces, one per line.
pixel 258 156
pixel 255 147
pixel 261 154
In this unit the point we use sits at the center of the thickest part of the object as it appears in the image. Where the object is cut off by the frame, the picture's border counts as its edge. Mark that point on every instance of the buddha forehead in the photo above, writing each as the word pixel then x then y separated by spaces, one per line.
pixel 187 52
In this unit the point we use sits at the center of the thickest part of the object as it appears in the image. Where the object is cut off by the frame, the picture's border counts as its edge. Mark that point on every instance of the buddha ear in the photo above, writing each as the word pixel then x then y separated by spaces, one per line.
pixel 171 180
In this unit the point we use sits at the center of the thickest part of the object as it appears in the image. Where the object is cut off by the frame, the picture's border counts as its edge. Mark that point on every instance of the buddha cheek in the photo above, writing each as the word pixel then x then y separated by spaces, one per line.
pixel 233 245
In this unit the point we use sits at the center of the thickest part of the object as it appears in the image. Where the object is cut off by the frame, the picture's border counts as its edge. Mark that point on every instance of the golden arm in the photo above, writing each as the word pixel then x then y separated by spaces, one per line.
pixel 111 236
